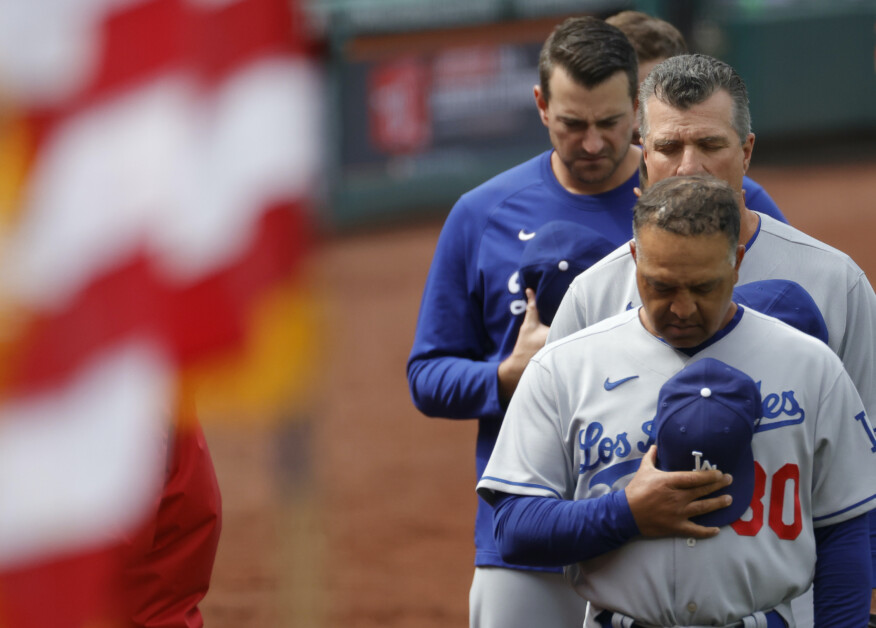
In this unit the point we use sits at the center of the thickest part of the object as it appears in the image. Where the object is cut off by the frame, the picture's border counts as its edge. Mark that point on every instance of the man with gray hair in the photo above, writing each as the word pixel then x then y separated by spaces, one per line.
pixel 693 113
pixel 694 118
pixel 689 458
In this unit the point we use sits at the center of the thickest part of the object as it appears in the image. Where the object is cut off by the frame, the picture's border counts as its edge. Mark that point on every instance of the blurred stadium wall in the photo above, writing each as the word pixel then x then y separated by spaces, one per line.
pixel 427 99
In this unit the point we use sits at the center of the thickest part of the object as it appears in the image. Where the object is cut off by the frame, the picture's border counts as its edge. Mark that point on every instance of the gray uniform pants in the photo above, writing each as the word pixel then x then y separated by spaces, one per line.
pixel 511 598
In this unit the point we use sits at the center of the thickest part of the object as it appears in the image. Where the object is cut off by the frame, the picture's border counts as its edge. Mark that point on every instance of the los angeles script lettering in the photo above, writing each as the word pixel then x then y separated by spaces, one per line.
pixel 599 449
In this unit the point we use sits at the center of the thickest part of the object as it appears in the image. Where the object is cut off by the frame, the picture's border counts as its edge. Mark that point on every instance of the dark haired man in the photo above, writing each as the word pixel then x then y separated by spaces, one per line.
pixel 477 328
pixel 653 39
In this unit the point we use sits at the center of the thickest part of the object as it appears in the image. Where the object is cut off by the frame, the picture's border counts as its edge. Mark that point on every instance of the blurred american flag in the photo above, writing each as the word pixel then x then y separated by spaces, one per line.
pixel 156 160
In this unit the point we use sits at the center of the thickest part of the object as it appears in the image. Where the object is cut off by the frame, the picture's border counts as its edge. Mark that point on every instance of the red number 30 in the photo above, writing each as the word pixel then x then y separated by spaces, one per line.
pixel 789 532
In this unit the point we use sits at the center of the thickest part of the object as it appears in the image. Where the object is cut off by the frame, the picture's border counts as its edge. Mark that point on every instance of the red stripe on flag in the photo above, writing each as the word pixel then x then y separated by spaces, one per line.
pixel 235 34
pixel 142 40
pixel 149 39
pixel 139 42
pixel 212 315
pixel 193 321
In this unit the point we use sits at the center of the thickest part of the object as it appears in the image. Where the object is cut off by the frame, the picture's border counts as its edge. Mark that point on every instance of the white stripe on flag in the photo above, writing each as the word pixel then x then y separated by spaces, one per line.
pixel 157 167
pixel 79 466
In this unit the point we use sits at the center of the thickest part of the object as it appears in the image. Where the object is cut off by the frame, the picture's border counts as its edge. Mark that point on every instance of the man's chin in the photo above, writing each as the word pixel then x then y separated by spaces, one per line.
pixel 594 175
pixel 683 339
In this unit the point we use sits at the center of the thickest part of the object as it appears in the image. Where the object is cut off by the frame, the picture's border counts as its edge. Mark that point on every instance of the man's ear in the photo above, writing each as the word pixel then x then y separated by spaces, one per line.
pixel 541 103
pixel 747 150
pixel 740 253
pixel 633 249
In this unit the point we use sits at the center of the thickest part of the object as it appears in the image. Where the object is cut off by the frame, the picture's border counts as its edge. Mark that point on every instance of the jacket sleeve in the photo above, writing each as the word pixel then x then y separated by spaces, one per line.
pixel 448 373
pixel 842 574
pixel 543 531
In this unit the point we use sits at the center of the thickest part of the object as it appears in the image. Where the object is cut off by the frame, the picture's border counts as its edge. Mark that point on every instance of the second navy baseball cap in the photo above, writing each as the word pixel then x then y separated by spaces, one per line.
pixel 706 415
pixel 786 300
pixel 559 251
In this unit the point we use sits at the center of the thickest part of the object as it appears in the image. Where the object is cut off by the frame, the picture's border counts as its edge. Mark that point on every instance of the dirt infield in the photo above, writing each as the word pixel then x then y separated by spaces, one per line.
pixel 360 513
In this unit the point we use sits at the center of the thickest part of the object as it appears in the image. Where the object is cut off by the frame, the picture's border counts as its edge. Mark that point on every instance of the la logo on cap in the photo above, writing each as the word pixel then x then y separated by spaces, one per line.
pixel 705 420
pixel 700 464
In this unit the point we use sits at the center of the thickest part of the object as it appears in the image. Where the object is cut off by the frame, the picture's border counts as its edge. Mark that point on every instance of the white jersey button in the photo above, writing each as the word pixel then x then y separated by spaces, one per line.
pixel 691 542
pixel 691 607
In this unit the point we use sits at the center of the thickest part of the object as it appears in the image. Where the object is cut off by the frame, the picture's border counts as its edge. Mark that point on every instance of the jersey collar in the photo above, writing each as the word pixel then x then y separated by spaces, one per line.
pixel 692 351
pixel 751 240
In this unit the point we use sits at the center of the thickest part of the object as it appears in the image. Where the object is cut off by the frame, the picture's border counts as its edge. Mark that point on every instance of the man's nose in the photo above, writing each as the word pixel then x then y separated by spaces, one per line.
pixel 683 305
pixel 592 143
pixel 691 162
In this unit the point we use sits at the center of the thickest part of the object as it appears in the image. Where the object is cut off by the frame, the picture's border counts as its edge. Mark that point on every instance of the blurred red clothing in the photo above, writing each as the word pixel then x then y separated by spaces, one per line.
pixel 73 591
pixel 170 561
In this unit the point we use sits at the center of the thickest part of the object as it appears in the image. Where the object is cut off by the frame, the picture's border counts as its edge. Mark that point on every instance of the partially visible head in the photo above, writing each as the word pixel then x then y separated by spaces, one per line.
pixel 690 206
pixel 687 80
pixel 687 253
pixel 590 51
pixel 653 39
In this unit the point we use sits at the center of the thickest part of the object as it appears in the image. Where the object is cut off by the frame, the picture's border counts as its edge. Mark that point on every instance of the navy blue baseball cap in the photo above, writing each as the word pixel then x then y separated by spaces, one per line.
pixel 706 415
pixel 559 251
pixel 786 300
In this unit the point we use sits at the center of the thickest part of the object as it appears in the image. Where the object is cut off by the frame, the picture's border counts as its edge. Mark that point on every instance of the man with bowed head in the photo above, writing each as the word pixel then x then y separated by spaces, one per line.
pixel 694 118
pixel 478 326
pixel 656 40
pixel 576 479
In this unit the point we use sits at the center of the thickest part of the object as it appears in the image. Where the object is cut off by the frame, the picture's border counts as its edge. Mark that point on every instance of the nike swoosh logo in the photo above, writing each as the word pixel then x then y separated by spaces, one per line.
pixel 525 236
pixel 608 385
pixel 630 305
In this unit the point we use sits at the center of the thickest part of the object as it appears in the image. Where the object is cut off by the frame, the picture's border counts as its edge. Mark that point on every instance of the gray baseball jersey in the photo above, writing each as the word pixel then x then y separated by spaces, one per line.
pixel 579 424
pixel 779 251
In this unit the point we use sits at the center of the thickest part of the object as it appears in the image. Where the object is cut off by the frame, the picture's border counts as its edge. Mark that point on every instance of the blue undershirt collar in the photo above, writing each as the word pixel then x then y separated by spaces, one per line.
pixel 692 351
pixel 754 236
